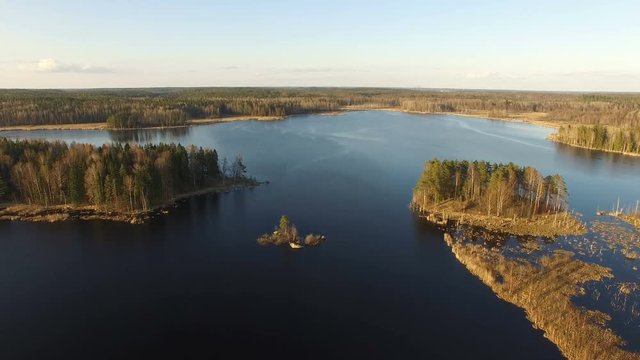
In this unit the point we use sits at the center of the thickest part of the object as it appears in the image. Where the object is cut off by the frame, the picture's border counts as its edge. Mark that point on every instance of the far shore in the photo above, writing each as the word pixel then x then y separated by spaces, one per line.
pixel 555 140
pixel 55 213
pixel 529 119
pixel 103 126
pixel 524 118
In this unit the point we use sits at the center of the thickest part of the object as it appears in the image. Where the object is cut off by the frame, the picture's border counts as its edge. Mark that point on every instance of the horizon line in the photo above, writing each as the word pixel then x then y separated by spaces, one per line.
pixel 620 92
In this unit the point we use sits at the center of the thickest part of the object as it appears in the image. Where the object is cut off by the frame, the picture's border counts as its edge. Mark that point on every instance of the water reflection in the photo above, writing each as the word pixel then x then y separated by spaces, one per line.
pixel 593 158
pixel 149 135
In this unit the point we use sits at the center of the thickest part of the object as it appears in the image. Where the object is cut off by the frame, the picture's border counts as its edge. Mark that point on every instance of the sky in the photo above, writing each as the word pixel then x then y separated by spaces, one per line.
pixel 560 45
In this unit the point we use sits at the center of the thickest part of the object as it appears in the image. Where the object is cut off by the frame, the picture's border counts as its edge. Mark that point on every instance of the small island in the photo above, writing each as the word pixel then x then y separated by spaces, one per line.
pixel 286 233
pixel 53 181
pixel 504 198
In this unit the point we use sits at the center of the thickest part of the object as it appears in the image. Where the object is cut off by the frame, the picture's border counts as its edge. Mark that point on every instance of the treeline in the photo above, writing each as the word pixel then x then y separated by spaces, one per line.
pixel 495 189
pixel 175 106
pixel 621 110
pixel 160 107
pixel 624 140
pixel 115 177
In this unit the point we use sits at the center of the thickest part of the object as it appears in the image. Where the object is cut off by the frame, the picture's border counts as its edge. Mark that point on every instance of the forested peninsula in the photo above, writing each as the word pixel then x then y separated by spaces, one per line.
pixel 50 181
pixel 579 116
pixel 505 198
pixel 598 137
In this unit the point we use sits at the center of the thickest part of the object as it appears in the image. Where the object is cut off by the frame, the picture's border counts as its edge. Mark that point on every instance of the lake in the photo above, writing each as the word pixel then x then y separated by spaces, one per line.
pixel 195 283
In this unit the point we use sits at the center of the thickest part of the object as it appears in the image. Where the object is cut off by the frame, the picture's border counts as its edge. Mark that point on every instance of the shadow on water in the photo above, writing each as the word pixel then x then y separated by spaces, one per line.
pixel 149 135
pixel 594 158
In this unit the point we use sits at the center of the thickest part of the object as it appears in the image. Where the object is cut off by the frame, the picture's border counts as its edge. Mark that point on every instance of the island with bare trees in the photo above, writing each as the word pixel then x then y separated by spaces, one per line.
pixel 51 181
pixel 505 198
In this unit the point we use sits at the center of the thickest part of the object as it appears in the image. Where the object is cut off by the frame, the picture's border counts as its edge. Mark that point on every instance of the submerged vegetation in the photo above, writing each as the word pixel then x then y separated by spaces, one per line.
pixel 286 233
pixel 631 216
pixel 119 178
pixel 500 197
pixel 633 219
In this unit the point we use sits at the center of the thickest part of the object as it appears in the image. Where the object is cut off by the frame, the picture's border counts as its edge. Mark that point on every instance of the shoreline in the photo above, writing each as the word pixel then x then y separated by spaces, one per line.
pixel 552 138
pixel 103 126
pixel 540 226
pixel 547 225
pixel 225 119
pixel 56 213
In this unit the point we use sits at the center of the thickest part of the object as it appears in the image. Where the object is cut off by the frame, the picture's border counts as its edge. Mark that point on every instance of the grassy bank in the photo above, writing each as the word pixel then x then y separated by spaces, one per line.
pixel 631 219
pixel 539 225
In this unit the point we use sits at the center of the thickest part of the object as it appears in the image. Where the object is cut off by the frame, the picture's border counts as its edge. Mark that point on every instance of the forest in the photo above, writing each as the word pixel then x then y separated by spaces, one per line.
pixel 110 177
pixel 624 140
pixel 504 190
pixel 154 107
pixel 175 106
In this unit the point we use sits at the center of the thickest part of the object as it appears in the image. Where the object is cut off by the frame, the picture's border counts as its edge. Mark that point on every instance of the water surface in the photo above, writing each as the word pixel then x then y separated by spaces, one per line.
pixel 384 284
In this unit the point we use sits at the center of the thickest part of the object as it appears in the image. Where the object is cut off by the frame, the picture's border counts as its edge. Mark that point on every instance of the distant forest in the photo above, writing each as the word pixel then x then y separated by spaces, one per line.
pixel 580 113
pixel 115 177
pixel 624 140
pixel 494 189
pixel 175 106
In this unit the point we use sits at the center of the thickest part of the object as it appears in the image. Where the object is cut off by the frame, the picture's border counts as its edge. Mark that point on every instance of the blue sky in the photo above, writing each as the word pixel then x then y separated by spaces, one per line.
pixel 538 45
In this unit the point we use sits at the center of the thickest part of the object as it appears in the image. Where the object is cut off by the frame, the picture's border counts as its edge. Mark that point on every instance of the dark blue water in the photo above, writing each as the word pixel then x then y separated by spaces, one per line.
pixel 194 283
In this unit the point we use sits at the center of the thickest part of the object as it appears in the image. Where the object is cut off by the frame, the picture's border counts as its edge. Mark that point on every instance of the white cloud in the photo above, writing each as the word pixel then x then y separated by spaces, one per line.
pixel 50 65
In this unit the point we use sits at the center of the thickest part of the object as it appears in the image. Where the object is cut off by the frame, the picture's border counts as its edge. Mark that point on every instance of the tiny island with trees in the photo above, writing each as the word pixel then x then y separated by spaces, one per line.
pixel 286 233
pixel 504 198
pixel 51 181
